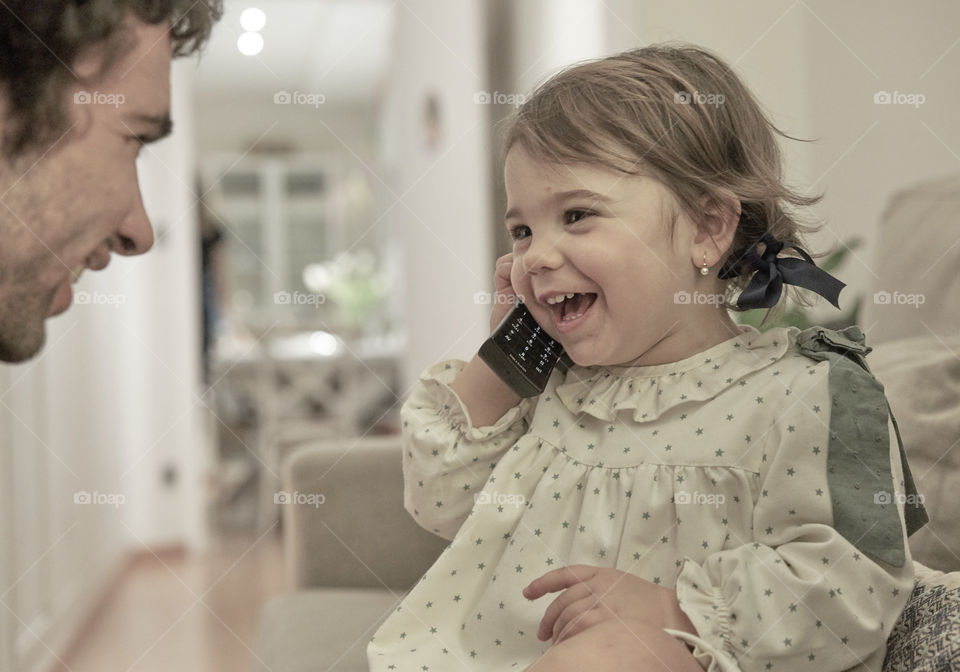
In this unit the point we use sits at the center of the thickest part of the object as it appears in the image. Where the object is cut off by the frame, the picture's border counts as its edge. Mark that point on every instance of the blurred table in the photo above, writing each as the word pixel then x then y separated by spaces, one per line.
pixel 272 394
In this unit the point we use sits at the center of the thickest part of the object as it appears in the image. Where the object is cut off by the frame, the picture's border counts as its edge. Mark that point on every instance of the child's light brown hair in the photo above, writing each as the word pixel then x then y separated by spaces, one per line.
pixel 679 114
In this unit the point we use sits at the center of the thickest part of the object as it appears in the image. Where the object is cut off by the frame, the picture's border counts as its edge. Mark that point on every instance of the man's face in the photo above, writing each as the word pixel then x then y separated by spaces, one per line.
pixel 66 207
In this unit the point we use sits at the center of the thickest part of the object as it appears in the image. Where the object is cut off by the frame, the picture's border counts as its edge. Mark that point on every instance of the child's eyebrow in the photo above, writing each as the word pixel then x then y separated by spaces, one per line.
pixel 564 196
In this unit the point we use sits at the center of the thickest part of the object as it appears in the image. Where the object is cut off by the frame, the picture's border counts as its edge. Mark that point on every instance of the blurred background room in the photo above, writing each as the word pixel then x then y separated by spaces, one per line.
pixel 327 214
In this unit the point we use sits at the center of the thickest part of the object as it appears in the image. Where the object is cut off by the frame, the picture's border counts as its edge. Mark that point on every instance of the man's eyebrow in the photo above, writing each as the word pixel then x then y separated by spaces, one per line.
pixel 566 195
pixel 162 126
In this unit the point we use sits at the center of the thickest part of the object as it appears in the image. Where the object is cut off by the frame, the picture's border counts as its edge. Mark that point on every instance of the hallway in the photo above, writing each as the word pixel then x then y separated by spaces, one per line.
pixel 175 612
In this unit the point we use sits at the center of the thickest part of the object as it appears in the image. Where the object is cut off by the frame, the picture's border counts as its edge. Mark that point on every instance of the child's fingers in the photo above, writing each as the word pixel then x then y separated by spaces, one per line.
pixel 503 297
pixel 575 593
pixel 576 618
pixel 501 278
pixel 558 579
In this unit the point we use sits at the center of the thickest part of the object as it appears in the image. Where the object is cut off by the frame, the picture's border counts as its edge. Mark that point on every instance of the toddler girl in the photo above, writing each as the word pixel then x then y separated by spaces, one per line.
pixel 686 493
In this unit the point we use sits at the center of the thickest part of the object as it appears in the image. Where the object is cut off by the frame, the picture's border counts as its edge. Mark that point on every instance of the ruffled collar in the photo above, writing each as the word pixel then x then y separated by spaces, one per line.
pixel 650 391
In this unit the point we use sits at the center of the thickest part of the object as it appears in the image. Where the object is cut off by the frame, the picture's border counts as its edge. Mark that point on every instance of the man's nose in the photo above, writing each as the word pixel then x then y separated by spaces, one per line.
pixel 135 235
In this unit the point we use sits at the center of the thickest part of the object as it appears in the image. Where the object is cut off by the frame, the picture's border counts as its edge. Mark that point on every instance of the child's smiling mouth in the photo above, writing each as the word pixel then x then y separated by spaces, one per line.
pixel 570 309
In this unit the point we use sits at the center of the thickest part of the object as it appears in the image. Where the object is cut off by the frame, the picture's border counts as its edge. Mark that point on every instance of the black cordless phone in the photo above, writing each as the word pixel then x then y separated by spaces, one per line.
pixel 521 353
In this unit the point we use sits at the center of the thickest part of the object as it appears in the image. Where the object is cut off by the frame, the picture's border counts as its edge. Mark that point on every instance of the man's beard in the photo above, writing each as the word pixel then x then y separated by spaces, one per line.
pixel 22 332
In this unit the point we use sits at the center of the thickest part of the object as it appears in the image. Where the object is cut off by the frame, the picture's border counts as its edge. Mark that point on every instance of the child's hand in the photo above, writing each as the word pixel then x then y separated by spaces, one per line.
pixel 592 595
pixel 502 286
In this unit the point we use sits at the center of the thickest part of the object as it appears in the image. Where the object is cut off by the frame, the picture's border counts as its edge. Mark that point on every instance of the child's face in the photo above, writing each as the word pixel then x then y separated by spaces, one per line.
pixel 585 229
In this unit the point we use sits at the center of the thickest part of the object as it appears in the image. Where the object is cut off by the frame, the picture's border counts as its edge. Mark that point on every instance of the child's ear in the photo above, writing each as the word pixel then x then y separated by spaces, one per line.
pixel 717 227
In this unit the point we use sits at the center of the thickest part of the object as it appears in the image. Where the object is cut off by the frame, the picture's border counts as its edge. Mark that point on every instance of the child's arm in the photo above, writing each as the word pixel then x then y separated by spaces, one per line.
pixel 457 422
pixel 484 395
pixel 799 595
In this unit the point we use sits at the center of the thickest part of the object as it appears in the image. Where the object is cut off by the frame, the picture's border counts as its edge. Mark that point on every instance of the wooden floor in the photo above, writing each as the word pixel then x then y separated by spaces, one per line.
pixel 182 613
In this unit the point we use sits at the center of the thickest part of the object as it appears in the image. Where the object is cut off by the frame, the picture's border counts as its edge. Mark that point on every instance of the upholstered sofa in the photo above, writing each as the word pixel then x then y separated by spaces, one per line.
pixel 351 552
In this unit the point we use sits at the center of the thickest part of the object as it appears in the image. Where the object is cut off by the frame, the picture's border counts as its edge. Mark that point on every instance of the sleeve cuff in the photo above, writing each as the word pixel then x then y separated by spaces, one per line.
pixel 436 381
pixel 707 609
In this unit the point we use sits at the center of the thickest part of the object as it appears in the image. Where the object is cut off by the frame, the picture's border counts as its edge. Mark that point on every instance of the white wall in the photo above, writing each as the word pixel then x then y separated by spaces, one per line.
pixel 161 340
pixel 550 34
pixel 440 199
pixel 868 151
pixel 237 122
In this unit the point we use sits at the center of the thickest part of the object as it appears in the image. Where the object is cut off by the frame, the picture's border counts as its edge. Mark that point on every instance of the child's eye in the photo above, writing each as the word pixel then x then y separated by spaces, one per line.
pixel 574 216
pixel 517 232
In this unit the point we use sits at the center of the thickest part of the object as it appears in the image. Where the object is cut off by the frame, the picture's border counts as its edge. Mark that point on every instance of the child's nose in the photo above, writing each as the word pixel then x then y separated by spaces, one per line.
pixel 543 253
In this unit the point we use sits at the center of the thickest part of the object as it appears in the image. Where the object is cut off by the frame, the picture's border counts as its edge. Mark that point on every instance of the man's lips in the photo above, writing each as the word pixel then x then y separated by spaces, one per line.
pixel 61 300
pixel 98 260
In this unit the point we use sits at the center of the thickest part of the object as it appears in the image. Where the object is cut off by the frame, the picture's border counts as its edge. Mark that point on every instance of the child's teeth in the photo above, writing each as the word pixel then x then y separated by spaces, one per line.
pixel 560 298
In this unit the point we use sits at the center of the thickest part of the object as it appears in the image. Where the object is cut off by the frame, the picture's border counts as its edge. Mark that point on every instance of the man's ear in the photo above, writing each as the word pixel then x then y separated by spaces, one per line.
pixel 716 228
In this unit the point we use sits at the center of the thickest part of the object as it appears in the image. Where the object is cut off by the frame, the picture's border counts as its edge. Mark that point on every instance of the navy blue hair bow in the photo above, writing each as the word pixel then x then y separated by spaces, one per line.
pixel 766 285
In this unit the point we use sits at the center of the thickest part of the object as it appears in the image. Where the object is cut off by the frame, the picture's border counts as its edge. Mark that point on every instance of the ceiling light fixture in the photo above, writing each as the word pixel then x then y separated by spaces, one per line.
pixel 253 19
pixel 250 44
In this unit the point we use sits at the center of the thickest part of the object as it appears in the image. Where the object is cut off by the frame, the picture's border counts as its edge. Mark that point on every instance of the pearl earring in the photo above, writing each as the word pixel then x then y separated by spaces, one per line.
pixel 705 270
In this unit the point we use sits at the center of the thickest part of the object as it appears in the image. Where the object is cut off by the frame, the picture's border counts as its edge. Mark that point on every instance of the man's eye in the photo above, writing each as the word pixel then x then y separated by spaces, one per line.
pixel 574 216
pixel 518 232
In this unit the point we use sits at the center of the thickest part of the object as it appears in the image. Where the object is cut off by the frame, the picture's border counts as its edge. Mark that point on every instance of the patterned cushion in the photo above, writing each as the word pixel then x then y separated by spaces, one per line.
pixel 926 637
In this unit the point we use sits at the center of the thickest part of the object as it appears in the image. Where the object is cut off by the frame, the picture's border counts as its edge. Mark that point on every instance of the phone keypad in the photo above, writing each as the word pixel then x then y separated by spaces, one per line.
pixel 530 351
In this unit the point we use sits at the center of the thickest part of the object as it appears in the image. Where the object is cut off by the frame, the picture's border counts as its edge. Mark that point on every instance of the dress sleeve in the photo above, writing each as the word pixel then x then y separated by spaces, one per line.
pixel 446 460
pixel 799 595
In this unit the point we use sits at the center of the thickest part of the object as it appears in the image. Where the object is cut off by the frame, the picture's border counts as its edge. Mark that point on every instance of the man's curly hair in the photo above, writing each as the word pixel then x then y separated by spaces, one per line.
pixel 41 39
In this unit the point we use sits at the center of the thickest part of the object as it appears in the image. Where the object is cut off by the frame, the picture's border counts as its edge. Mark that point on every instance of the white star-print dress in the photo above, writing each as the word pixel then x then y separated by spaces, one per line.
pixel 706 475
